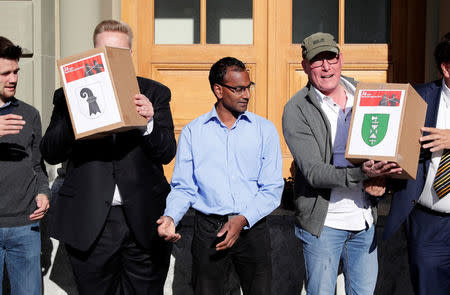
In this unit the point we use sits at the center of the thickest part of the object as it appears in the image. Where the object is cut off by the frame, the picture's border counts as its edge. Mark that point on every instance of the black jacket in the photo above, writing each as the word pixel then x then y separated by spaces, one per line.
pixel 95 166
pixel 406 197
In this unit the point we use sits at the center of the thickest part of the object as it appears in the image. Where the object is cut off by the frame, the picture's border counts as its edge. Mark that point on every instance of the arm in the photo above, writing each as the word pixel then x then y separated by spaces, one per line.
pixel 38 164
pixel 43 190
pixel 183 186
pixel 160 143
pixel 57 142
pixel 270 179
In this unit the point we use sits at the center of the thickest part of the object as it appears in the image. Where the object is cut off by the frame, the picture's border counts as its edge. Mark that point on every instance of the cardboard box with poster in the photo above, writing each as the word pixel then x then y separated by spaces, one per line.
pixel 100 85
pixel 385 125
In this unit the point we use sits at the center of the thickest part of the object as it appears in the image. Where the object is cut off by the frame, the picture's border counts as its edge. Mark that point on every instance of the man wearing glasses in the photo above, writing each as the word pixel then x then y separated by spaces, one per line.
pixel 228 168
pixel 335 217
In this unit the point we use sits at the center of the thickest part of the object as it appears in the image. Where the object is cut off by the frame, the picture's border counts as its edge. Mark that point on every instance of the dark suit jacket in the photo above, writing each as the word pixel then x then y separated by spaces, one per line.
pixel 95 166
pixel 404 200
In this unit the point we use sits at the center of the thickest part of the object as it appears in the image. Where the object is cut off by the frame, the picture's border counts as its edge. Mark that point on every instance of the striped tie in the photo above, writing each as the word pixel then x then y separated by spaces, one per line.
pixel 441 182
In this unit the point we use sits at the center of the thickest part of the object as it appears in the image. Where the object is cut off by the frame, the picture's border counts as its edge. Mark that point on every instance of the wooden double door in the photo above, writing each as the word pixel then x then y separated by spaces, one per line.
pixel 177 41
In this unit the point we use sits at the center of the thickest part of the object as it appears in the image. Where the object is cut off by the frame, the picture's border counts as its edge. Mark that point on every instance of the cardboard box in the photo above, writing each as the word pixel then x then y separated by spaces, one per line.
pixel 100 85
pixel 385 126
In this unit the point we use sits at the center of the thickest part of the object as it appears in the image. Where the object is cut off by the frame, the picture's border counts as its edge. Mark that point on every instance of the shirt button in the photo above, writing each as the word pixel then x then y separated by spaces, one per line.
pixel 413 202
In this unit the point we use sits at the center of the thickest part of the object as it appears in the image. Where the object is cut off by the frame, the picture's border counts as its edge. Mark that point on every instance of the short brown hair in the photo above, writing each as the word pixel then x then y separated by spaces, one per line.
pixel 8 50
pixel 111 25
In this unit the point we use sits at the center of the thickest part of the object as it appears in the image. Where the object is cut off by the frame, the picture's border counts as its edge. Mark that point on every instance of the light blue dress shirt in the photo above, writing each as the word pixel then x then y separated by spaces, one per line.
pixel 227 171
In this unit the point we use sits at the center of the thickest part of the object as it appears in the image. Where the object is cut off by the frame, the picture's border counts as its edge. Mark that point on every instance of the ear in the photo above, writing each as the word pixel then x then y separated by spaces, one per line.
pixel 445 67
pixel 305 66
pixel 218 91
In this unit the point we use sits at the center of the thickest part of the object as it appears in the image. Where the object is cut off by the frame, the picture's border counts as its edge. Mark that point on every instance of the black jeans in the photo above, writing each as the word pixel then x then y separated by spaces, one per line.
pixel 116 265
pixel 250 256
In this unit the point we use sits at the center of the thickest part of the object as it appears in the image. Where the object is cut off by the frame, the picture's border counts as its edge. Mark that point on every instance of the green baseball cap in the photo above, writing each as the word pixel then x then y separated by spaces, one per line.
pixel 317 43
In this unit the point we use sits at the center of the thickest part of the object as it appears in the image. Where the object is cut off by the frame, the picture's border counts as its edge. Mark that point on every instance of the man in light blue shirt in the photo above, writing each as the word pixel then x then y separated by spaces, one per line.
pixel 229 169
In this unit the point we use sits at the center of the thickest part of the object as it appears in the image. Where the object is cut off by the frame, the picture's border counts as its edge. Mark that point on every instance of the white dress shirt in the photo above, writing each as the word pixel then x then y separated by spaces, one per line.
pixel 349 208
pixel 428 197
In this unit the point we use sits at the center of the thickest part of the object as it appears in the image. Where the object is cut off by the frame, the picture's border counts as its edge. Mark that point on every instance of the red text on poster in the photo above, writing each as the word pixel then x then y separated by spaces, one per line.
pixel 387 98
pixel 83 68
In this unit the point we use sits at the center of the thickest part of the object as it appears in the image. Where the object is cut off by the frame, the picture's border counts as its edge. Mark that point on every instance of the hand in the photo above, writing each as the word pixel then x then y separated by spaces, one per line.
pixel 43 204
pixel 372 169
pixel 375 186
pixel 437 140
pixel 166 229
pixel 10 124
pixel 143 106
pixel 232 228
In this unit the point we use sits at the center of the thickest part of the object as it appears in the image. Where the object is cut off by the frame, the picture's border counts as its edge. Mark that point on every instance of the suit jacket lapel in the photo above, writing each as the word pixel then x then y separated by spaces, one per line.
pixel 432 100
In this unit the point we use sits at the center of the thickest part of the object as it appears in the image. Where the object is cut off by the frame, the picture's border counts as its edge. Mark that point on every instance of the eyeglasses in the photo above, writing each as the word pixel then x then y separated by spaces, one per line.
pixel 319 62
pixel 239 89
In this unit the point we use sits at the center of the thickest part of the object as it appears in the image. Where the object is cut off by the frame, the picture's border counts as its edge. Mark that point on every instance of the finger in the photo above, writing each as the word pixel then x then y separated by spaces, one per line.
pixel 398 170
pixel 10 132
pixel 437 148
pixel 429 129
pixel 174 238
pixel 11 126
pixel 223 230
pixel 39 210
pixel 168 237
pixel 46 206
pixel 35 216
pixel 141 101
pixel 12 117
pixel 430 144
pixel 12 122
pixel 368 163
pixel 430 137
pixel 231 242
pixel 223 245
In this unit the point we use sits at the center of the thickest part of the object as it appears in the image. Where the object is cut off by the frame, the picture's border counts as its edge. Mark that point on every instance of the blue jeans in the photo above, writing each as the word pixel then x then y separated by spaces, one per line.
pixel 20 249
pixel 358 251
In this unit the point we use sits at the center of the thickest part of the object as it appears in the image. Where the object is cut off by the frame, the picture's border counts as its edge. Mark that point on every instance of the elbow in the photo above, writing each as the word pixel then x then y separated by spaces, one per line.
pixel 51 156
pixel 168 156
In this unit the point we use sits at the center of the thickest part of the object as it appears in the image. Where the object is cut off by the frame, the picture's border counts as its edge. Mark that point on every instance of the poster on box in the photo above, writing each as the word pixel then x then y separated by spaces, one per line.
pixel 376 122
pixel 90 93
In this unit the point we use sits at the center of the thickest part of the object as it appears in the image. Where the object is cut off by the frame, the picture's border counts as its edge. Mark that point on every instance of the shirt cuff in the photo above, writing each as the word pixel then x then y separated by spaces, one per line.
pixel 174 215
pixel 149 127
pixel 251 219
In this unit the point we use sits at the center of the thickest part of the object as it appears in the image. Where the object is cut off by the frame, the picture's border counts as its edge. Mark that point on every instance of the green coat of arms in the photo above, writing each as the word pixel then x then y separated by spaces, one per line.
pixel 374 128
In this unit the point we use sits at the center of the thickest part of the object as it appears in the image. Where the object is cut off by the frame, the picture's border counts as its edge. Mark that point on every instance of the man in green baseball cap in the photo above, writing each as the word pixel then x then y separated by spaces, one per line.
pixel 335 216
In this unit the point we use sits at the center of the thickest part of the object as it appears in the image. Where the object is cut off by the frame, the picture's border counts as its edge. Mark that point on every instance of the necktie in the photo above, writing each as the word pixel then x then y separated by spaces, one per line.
pixel 441 182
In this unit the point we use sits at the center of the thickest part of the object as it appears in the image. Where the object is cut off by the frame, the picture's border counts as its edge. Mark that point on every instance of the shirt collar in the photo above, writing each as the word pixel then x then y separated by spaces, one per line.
pixel 212 115
pixel 445 92
pixel 13 101
pixel 348 87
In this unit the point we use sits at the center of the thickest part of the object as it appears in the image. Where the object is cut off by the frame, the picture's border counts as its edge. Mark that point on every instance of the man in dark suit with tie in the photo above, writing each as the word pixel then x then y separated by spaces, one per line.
pixel 114 190
pixel 424 203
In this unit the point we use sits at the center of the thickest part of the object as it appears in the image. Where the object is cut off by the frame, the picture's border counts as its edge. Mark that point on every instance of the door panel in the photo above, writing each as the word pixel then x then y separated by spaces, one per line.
pixel 273 54
pixel 184 68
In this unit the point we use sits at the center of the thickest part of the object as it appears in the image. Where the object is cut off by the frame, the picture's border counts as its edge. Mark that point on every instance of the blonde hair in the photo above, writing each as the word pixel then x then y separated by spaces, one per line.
pixel 113 26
